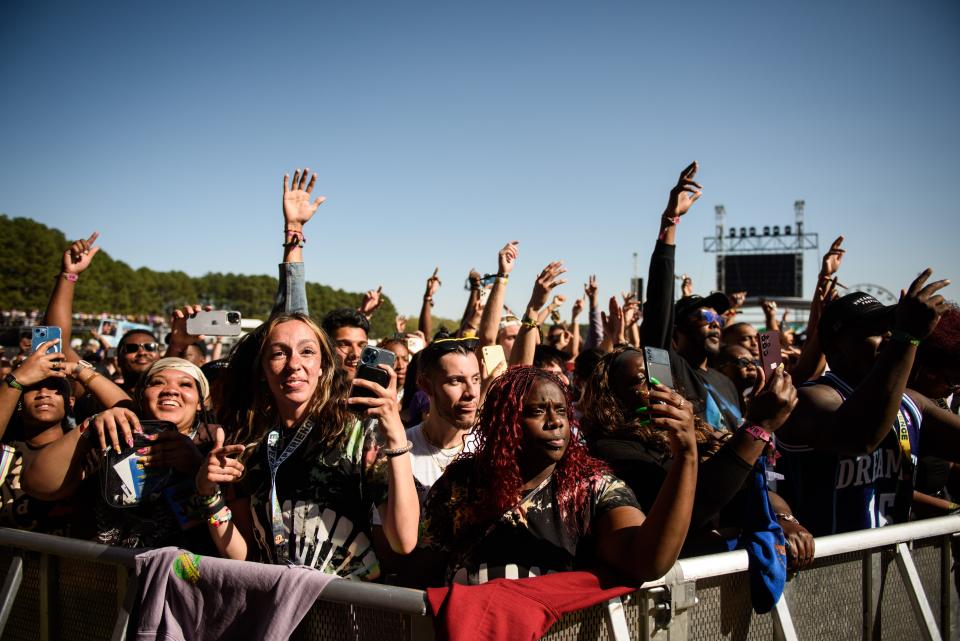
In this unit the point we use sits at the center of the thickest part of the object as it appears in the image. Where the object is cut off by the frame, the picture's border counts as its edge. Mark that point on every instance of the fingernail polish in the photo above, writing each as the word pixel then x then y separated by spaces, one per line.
pixel 129 441
pixel 654 381
pixel 142 451
pixel 116 448
pixel 642 409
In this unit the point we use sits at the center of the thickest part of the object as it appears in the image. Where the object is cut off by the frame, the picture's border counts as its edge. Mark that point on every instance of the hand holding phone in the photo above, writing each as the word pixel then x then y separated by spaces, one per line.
pixel 216 322
pixel 46 334
pixel 770 357
pixel 369 370
pixel 493 357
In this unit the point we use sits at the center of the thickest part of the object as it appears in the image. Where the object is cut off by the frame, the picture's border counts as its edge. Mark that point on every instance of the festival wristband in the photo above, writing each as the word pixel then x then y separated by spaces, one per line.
pixel 218 519
pixel 903 337
pixel 758 433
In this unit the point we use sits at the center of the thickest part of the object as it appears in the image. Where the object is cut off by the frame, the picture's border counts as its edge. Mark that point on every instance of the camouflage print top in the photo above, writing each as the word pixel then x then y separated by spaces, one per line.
pixel 529 540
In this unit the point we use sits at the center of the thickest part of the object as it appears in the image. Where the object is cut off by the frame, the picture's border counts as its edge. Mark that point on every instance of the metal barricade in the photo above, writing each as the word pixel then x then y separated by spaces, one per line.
pixel 890 583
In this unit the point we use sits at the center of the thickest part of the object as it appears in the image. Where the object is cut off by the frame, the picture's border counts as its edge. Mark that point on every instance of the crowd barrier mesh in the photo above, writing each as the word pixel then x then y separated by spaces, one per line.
pixel 852 595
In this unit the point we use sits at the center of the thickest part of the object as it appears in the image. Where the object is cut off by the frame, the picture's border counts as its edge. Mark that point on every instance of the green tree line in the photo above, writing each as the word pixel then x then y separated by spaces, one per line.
pixel 30 255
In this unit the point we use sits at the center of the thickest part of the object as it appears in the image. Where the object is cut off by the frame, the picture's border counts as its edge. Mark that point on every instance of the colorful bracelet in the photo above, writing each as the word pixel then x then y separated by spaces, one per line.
pixel 218 519
pixel 294 238
pixel 71 277
pixel 758 433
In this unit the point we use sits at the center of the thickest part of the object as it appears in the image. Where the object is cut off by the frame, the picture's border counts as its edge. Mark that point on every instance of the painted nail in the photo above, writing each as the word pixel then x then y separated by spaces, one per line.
pixel 654 381
pixel 129 441
pixel 142 451
pixel 642 409
pixel 646 422
pixel 116 448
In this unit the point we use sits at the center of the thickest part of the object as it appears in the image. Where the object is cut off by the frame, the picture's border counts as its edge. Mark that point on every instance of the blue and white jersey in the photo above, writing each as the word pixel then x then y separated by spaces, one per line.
pixel 833 493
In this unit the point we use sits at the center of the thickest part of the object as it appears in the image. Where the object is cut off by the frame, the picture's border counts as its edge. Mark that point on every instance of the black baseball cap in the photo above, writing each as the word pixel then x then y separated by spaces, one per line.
pixel 718 301
pixel 857 309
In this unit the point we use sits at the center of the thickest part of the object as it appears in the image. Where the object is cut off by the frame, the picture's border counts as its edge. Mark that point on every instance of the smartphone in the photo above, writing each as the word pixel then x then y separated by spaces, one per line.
pixel 492 356
pixel 217 322
pixel 369 370
pixel 770 357
pixel 657 362
pixel 43 334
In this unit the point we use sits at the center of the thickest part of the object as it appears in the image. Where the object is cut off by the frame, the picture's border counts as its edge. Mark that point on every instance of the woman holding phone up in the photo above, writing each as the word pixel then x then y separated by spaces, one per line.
pixel 172 391
pixel 303 491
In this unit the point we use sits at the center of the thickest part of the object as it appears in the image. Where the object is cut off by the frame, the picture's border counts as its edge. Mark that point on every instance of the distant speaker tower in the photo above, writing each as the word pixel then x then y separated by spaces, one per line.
pixel 766 264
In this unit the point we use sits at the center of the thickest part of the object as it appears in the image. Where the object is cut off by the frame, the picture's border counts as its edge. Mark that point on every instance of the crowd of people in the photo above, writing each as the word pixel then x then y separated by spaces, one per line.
pixel 511 446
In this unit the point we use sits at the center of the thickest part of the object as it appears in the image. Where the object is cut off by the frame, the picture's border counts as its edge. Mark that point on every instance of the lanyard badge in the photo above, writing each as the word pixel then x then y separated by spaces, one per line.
pixel 276 515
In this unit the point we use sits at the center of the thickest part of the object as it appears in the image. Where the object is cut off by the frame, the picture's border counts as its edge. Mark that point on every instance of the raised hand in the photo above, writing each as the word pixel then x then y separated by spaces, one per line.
pixel 832 259
pixel 774 397
pixel 433 283
pixel 577 307
pixel 371 301
pixel 671 412
pixel 81 252
pixel 180 338
pixel 40 366
pixel 507 257
pixel 613 322
pixel 685 192
pixel 401 322
pixel 221 466
pixel 686 286
pixel 297 208
pixel 737 299
pixel 383 406
pixel 921 306
pixel 591 290
pixel 546 281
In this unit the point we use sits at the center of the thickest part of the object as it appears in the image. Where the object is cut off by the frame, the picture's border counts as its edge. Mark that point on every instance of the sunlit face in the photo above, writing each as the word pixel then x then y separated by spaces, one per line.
pixel 701 332
pixel 292 363
pixel 454 389
pixel 740 367
pixel 172 395
pixel 744 335
pixel 139 361
pixel 349 342
pixel 628 380
pixel 403 359
pixel 546 427
pixel 44 403
pixel 507 337
pixel 194 355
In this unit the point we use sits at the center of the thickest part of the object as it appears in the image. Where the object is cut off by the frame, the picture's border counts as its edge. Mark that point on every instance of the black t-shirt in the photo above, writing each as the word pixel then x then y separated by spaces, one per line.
pixel 325 498
pixel 529 540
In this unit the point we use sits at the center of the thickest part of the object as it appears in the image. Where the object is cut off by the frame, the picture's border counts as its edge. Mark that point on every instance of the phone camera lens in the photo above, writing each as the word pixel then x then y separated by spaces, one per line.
pixel 233 318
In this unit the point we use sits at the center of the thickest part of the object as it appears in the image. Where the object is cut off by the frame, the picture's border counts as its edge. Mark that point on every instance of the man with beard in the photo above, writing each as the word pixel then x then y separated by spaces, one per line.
pixel 689 329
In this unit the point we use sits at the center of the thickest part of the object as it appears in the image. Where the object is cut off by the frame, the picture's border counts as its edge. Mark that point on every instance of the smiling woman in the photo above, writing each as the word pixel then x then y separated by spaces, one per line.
pixel 306 491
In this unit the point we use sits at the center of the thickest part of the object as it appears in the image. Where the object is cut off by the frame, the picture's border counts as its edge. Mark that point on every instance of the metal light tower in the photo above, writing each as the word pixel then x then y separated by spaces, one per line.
pixel 721 214
pixel 798 207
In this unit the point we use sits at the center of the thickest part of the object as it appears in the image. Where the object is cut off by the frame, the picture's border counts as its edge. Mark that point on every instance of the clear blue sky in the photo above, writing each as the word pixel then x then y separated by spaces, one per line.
pixel 442 130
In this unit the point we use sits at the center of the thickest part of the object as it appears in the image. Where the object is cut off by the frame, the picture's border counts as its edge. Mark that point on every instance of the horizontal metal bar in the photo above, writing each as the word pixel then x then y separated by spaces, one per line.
pixel 702 567
pixel 374 595
pixel 70 548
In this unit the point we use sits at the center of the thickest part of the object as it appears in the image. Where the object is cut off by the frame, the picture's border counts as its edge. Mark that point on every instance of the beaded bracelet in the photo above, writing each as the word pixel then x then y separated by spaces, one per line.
pixel 295 238
pixel 218 519
pixel 397 452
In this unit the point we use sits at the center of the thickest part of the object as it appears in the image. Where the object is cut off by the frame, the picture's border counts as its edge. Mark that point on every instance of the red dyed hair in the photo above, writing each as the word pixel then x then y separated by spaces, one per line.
pixel 942 346
pixel 499 437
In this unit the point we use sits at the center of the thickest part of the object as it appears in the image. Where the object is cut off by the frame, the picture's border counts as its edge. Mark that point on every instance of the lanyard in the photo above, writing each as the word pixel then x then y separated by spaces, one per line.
pixel 276 515
pixel 906 467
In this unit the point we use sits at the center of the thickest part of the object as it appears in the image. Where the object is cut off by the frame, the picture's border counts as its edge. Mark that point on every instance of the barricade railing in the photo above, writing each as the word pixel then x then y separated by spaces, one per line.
pixel 889 583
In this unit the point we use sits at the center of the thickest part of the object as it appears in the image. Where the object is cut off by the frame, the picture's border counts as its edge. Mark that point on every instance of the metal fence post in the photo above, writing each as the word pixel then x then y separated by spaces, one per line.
pixel 665 610
pixel 783 629
pixel 10 589
pixel 921 607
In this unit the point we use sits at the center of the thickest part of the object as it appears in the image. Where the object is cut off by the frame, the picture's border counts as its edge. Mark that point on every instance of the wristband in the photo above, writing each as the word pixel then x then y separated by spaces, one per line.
pixel 903 337
pixel 758 433
pixel 294 238
pixel 217 519
pixel 503 278
pixel 12 382
pixel 71 277
pixel 398 451
pixel 674 220
pixel 786 517
pixel 213 498
pixel 216 506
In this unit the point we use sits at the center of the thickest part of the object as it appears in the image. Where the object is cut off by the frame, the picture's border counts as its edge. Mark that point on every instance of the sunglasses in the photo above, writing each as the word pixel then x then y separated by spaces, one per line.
pixel 712 317
pixel 133 348
pixel 452 344
pixel 744 362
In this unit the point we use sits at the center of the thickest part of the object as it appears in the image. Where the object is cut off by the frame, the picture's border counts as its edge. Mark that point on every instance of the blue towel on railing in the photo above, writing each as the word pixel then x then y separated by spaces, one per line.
pixel 765 544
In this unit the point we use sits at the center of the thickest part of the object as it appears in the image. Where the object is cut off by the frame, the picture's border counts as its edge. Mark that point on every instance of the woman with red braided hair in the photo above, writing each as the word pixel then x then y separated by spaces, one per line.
pixel 530 500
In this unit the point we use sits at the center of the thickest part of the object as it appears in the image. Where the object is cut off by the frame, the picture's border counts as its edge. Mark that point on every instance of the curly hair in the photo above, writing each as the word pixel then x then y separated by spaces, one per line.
pixel 248 408
pixel 604 415
pixel 499 438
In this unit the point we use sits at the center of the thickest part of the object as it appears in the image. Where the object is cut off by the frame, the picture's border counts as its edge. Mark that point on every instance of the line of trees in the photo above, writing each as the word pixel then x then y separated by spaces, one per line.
pixel 30 254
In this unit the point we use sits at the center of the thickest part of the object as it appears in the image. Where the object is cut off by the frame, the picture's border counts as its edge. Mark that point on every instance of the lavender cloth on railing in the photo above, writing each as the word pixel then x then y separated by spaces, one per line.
pixel 184 596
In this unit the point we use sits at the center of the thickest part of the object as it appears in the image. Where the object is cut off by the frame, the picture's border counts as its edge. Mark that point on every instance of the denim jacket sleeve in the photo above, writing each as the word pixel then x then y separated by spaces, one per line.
pixel 292 289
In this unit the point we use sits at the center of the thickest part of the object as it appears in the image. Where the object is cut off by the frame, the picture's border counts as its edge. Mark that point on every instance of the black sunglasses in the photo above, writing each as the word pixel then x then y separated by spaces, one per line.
pixel 133 348
pixel 743 362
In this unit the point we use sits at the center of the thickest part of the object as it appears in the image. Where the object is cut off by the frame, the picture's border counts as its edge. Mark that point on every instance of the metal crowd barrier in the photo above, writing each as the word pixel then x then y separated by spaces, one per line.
pixel 891 583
